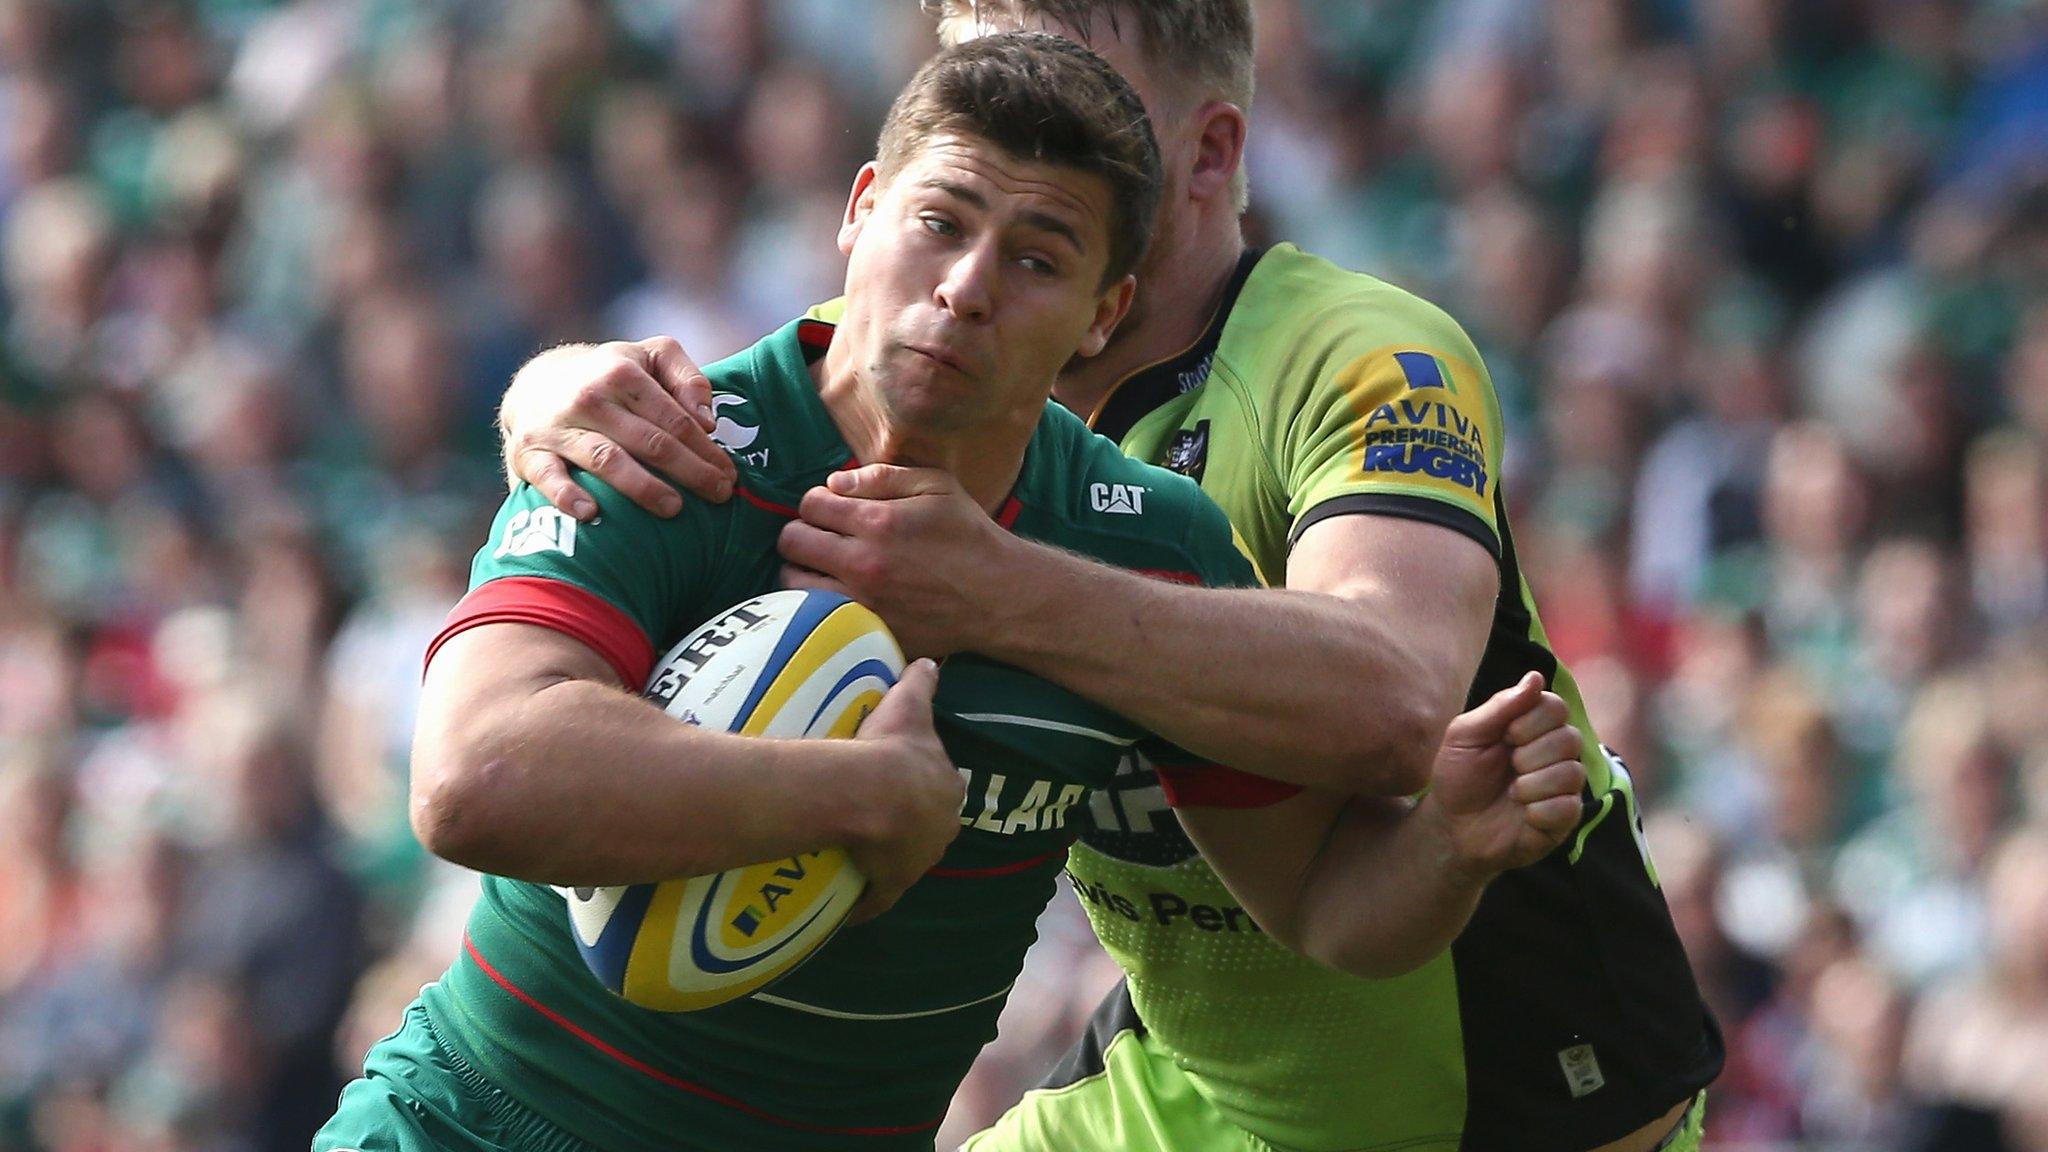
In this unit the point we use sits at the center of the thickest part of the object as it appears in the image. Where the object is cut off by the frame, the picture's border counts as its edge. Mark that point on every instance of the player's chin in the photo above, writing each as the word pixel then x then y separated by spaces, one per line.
pixel 935 400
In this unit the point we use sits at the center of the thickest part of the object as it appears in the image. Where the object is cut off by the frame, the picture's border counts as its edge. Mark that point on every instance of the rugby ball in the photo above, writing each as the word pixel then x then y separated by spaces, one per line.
pixel 788 664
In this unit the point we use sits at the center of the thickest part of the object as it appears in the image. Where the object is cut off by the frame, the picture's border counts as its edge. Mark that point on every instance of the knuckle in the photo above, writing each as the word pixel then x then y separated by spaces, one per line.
pixel 604 455
pixel 868 568
pixel 654 444
pixel 617 373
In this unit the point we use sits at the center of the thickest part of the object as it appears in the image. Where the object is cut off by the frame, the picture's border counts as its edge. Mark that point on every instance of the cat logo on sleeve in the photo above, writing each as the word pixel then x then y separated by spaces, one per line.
pixel 532 531
pixel 1126 499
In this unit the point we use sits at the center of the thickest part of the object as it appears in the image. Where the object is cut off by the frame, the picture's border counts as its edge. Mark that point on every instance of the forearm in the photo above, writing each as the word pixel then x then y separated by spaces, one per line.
pixel 1313 689
pixel 580 783
pixel 1387 893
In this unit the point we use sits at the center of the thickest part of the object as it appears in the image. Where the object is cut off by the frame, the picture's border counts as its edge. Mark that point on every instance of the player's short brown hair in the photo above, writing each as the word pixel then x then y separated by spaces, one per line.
pixel 1210 40
pixel 1045 99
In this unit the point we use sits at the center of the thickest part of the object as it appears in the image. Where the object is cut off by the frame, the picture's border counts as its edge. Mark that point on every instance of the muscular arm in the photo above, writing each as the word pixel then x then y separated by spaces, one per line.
pixel 1343 680
pixel 1369 885
pixel 531 761
pixel 1377 886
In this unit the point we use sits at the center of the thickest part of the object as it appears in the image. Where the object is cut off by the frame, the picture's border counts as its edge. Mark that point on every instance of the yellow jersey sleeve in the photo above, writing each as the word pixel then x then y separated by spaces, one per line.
pixel 1406 429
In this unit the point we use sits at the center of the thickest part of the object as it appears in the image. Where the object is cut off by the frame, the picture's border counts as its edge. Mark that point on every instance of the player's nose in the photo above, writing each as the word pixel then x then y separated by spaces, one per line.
pixel 967 289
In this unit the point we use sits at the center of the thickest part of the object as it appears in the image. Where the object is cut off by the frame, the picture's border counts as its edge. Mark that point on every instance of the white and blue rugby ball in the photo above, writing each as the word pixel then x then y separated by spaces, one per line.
pixel 789 664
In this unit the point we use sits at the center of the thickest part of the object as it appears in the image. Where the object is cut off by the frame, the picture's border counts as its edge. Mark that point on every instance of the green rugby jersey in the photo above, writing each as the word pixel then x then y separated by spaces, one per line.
pixel 1566 1014
pixel 863 1046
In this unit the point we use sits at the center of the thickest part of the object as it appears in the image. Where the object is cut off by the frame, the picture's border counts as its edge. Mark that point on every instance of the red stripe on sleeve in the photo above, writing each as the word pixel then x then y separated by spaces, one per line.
pixel 564 607
pixel 1214 786
pixel 1169 575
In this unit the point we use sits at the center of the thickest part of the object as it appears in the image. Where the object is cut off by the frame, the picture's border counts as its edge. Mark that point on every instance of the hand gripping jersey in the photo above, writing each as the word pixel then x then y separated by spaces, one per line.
pixel 1566 1014
pixel 863 1046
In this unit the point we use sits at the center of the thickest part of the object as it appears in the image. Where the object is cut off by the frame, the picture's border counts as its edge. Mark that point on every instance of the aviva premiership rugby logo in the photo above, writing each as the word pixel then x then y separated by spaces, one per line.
pixel 1189 452
pixel 1424 431
pixel 753 913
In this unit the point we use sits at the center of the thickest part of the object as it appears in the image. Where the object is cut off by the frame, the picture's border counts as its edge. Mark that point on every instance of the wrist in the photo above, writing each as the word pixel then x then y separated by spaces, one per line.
pixel 858 807
pixel 1462 867
pixel 1023 579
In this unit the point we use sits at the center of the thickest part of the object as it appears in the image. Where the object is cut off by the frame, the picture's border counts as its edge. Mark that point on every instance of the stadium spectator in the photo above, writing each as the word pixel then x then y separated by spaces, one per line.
pixel 1763 287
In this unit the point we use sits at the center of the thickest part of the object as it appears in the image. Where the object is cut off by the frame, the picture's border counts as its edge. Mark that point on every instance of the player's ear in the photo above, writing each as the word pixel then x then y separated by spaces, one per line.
pixel 1219 149
pixel 1110 309
pixel 860 202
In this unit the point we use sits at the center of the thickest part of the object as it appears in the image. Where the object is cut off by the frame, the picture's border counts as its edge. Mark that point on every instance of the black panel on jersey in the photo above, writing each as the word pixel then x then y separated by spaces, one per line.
pixel 1115 1016
pixel 1511 650
pixel 1137 395
pixel 1559 956
pixel 1624 988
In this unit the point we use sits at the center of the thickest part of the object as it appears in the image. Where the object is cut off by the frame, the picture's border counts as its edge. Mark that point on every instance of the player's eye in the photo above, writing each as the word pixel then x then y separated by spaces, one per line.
pixel 938 225
pixel 1039 265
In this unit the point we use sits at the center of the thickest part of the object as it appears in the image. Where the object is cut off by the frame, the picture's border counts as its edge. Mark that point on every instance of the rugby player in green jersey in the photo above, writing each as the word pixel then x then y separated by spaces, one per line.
pixel 1350 431
pixel 991 241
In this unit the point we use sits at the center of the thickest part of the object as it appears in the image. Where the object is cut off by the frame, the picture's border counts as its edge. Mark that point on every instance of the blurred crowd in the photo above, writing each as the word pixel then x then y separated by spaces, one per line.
pixel 1763 285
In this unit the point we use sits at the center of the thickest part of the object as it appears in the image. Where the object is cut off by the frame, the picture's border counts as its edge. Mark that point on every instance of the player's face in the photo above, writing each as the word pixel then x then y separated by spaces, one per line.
pixel 972 276
pixel 1173 125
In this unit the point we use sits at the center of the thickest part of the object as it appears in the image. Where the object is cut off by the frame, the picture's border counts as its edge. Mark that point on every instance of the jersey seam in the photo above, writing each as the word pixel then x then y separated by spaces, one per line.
pixel 1064 1089
pixel 1269 468
pixel 1392 488
pixel 1178 547
pixel 1456 516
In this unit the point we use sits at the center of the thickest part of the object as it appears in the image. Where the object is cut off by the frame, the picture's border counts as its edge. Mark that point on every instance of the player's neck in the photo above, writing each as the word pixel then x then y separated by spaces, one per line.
pixel 985 459
pixel 1177 297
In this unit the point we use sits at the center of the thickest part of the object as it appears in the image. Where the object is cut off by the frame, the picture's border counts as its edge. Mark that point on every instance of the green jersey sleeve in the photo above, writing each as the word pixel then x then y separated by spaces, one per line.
pixel 1397 417
pixel 1220 557
pixel 624 583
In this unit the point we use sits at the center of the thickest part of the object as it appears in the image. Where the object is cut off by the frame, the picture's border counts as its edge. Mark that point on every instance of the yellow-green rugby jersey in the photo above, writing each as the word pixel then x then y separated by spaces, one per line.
pixel 1566 1015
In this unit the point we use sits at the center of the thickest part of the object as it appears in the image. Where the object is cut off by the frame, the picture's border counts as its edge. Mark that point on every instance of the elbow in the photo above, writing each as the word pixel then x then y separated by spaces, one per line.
pixel 445 815
pixel 1352 946
pixel 456 801
pixel 1367 959
pixel 1399 762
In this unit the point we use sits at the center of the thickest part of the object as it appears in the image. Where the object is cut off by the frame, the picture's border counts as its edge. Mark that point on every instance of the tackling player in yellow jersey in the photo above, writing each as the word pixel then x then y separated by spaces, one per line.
pixel 1351 433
